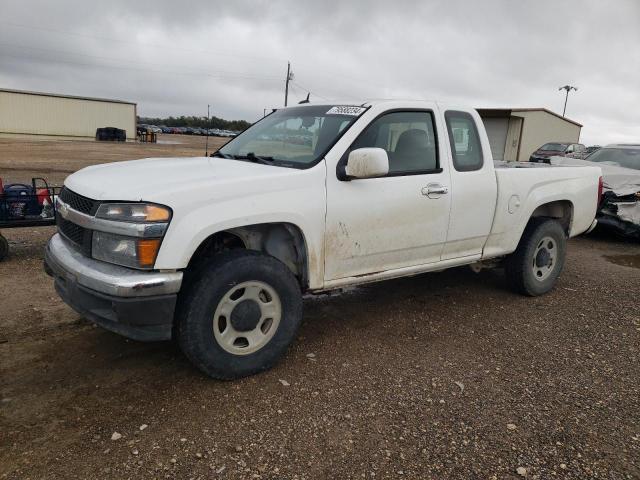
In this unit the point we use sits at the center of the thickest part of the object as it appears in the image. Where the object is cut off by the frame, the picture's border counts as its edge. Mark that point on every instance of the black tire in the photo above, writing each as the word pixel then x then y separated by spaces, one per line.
pixel 4 248
pixel 520 266
pixel 198 304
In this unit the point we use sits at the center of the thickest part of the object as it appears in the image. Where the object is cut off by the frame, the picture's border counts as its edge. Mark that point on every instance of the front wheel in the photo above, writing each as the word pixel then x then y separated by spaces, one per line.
pixel 240 315
pixel 535 266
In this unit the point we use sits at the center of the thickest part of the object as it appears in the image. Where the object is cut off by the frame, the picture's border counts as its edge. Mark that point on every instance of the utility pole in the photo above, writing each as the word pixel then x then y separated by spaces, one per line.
pixel 206 145
pixel 286 84
pixel 568 88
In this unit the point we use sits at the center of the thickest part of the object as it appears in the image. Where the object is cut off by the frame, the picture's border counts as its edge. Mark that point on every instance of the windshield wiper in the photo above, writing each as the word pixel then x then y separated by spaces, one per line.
pixel 252 157
pixel 221 155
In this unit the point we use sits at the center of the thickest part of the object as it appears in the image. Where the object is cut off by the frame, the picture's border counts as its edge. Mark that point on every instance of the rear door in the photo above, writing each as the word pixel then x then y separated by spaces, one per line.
pixel 400 220
pixel 474 187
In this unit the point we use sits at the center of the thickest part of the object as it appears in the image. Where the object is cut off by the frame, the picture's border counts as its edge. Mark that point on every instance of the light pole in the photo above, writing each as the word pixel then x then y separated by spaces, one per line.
pixel 568 88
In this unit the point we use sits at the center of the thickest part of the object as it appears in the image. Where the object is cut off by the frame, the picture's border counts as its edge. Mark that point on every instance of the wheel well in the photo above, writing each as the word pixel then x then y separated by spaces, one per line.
pixel 283 241
pixel 562 210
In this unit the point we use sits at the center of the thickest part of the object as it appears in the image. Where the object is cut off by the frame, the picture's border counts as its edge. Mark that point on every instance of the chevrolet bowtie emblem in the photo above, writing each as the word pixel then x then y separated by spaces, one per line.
pixel 62 209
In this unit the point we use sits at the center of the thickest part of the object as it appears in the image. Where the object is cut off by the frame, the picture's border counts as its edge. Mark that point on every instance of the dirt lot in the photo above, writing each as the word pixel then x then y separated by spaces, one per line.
pixel 22 159
pixel 447 375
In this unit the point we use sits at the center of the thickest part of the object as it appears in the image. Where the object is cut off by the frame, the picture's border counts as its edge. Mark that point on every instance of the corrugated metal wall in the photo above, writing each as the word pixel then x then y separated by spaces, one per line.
pixel 25 113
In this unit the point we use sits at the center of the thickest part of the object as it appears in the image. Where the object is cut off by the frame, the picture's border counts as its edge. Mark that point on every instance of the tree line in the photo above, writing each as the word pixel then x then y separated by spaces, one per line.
pixel 200 122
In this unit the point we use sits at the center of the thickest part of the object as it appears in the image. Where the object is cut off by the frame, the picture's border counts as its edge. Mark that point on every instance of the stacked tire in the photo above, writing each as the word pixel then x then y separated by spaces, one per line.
pixel 111 134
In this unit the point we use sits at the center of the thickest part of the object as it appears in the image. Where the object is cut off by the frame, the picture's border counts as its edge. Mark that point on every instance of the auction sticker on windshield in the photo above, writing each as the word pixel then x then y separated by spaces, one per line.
pixel 346 110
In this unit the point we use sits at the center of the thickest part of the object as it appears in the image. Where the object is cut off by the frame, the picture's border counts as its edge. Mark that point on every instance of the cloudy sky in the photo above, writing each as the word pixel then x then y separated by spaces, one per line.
pixel 175 57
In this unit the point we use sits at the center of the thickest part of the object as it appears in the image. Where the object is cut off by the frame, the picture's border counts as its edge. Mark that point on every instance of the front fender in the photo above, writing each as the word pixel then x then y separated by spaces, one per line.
pixel 303 207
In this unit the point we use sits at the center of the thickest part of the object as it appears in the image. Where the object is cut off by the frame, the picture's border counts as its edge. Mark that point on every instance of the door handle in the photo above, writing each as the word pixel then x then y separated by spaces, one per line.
pixel 434 190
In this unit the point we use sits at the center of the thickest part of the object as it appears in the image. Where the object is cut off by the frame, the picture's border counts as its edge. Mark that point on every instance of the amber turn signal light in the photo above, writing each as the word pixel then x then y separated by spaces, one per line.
pixel 147 251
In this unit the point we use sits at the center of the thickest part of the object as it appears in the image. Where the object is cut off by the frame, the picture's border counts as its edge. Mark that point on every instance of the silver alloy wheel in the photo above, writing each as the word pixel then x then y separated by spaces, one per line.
pixel 247 317
pixel 544 258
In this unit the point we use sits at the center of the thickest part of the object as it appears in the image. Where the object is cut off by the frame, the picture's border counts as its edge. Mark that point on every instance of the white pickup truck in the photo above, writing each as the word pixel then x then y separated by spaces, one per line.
pixel 218 251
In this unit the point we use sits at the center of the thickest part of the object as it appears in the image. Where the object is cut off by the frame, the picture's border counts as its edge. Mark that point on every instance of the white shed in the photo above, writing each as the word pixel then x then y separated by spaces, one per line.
pixel 515 133
pixel 47 114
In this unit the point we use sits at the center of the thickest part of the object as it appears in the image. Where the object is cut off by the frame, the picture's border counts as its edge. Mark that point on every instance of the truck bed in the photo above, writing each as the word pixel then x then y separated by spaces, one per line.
pixel 522 184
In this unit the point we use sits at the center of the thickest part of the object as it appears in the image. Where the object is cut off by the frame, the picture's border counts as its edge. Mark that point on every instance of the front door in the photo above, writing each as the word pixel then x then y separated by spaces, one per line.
pixel 400 220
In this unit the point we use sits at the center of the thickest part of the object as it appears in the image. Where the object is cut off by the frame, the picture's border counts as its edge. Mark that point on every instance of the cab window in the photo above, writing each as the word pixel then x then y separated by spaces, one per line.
pixel 465 141
pixel 408 138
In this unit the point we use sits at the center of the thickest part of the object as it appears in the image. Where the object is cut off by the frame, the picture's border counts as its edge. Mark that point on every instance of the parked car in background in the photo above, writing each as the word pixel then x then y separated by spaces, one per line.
pixel 591 149
pixel 557 149
pixel 165 129
pixel 619 210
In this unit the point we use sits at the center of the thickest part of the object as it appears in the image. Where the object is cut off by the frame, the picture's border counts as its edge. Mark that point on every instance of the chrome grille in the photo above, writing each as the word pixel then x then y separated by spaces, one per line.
pixel 79 236
pixel 78 202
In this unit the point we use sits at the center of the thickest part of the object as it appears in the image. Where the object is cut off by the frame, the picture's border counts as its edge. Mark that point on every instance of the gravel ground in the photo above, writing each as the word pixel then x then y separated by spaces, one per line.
pixel 445 375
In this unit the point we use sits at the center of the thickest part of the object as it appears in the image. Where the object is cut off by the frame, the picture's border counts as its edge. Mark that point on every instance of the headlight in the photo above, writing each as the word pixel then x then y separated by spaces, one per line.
pixel 133 237
pixel 125 251
pixel 134 212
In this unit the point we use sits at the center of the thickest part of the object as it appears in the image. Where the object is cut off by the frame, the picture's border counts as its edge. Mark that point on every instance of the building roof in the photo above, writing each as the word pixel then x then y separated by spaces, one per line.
pixel 498 112
pixel 92 99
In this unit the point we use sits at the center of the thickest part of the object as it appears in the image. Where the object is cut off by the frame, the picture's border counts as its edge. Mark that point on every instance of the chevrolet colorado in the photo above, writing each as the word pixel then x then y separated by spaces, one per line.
pixel 218 251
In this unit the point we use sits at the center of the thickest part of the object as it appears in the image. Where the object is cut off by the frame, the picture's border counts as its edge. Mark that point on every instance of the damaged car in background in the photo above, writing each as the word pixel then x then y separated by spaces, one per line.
pixel 619 209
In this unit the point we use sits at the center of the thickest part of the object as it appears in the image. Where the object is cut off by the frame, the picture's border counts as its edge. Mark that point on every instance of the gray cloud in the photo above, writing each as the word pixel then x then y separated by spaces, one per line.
pixel 175 57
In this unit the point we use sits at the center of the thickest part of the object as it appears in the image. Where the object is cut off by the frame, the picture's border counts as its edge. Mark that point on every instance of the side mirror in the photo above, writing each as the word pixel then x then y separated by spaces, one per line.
pixel 367 163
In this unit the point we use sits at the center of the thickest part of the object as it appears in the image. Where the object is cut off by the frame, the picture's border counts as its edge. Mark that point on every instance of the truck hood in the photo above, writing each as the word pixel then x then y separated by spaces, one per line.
pixel 161 179
pixel 620 180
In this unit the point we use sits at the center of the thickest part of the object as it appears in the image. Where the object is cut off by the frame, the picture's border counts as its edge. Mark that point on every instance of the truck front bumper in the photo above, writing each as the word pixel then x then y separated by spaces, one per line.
pixel 137 304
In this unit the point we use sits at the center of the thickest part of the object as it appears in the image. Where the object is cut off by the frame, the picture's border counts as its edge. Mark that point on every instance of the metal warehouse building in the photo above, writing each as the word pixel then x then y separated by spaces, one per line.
pixel 34 113
pixel 514 134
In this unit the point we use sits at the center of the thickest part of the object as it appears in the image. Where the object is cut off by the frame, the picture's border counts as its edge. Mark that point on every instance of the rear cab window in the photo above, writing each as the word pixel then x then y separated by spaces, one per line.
pixel 466 149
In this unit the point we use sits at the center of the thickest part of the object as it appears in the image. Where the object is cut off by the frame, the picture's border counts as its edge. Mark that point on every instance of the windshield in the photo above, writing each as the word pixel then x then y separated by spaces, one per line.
pixel 293 137
pixel 620 157
pixel 556 147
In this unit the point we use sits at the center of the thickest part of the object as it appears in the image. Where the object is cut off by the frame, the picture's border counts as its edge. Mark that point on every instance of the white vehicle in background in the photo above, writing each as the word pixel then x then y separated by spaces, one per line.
pixel 619 210
pixel 217 252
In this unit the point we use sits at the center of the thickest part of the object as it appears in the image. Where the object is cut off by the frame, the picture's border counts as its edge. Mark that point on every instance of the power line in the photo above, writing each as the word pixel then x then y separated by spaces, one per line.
pixel 360 81
pixel 119 60
pixel 221 74
pixel 146 70
pixel 311 92
pixel 128 42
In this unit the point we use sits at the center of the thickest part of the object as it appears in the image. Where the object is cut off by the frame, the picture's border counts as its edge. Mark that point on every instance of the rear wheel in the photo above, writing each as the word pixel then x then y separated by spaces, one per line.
pixel 239 315
pixel 4 248
pixel 535 266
